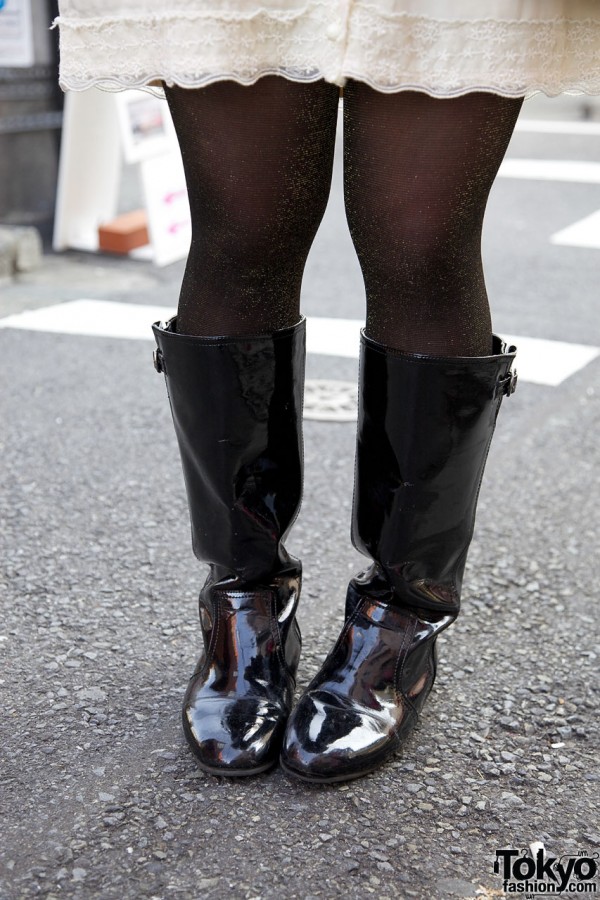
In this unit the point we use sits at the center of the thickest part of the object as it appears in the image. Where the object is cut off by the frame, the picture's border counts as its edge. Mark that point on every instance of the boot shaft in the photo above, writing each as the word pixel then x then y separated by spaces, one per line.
pixel 424 430
pixel 237 411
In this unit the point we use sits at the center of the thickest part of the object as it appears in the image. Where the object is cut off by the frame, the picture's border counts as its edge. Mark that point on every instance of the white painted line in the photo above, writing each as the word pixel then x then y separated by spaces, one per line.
pixel 93 318
pixel 551 170
pixel 549 362
pixel 558 126
pixel 333 337
pixel 539 361
pixel 584 233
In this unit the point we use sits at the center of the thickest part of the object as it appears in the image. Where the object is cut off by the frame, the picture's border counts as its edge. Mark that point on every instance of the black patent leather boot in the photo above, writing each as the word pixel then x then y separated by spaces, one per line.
pixel 237 411
pixel 424 429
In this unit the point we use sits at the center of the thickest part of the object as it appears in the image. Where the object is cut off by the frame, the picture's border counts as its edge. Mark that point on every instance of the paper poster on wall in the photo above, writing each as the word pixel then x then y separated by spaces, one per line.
pixel 167 206
pixel 16 33
pixel 146 125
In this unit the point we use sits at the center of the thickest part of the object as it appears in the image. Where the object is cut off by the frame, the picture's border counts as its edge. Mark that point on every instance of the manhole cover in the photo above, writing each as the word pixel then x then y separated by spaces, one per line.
pixel 330 401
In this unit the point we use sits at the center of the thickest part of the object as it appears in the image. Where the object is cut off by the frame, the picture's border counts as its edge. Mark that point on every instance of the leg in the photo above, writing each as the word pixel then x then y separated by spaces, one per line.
pixel 258 164
pixel 418 172
pixel 258 167
pixel 425 421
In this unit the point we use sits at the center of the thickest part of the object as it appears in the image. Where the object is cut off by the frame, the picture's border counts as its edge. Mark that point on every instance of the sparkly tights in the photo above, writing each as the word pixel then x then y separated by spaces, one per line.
pixel 417 174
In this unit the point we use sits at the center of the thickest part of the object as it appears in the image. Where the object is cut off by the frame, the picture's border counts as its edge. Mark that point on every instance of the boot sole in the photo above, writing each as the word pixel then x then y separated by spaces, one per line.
pixel 233 773
pixel 328 779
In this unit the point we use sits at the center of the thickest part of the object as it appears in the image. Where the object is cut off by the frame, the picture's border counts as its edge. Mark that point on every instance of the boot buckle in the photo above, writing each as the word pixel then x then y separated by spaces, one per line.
pixel 157 360
pixel 508 385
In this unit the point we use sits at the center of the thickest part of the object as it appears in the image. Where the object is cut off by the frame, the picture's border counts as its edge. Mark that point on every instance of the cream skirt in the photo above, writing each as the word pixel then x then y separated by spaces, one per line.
pixel 443 47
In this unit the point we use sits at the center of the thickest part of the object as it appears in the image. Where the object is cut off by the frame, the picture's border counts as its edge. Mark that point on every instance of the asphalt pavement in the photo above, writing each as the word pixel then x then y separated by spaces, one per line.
pixel 100 797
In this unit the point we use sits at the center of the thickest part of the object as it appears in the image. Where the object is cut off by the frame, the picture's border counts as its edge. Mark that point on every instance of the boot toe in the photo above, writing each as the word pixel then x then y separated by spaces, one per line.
pixel 330 740
pixel 234 737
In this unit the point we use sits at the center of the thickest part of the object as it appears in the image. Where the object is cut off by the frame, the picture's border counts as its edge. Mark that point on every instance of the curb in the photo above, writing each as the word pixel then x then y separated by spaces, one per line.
pixel 20 250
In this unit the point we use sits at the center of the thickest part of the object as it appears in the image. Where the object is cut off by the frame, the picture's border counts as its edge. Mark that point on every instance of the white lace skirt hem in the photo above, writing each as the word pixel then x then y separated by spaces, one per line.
pixel 444 58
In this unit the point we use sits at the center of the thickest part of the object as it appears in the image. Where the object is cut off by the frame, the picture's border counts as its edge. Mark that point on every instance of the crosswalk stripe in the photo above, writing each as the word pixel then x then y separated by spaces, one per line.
pixel 558 126
pixel 572 170
pixel 583 233
pixel 539 361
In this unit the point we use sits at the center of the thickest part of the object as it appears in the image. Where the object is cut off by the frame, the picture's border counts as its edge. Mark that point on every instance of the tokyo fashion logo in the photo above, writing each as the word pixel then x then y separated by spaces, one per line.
pixel 538 874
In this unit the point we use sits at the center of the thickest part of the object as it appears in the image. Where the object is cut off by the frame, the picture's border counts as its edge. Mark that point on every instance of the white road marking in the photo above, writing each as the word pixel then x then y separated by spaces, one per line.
pixel 539 361
pixel 549 362
pixel 92 318
pixel 577 171
pixel 583 233
pixel 333 337
pixel 558 126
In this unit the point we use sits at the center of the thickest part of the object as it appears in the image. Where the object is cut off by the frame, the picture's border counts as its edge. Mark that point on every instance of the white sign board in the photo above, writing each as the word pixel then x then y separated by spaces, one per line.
pixel 100 128
pixel 16 35
pixel 167 207
pixel 89 173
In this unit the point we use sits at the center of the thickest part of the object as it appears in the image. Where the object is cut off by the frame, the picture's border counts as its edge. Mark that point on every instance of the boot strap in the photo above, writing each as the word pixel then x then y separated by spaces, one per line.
pixel 508 385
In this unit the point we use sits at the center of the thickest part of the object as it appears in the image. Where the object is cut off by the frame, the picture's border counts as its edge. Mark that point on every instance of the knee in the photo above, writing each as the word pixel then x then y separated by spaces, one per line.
pixel 255 232
pixel 412 237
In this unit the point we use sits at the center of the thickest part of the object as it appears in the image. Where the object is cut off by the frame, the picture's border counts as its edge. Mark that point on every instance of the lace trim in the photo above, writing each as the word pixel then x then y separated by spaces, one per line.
pixel 150 84
pixel 389 51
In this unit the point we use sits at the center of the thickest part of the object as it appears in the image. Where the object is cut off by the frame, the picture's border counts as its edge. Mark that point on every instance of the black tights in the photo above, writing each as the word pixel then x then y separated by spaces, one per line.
pixel 417 174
